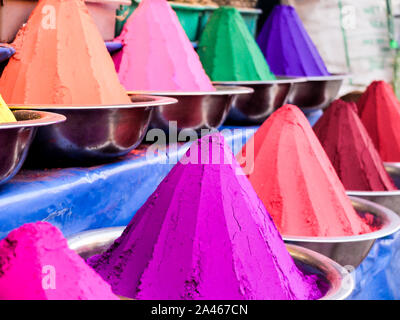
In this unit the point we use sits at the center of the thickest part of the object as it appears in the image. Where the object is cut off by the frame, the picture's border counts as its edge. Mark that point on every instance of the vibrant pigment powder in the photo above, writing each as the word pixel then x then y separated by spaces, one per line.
pixel 287 46
pixel 61 59
pixel 5 113
pixel 157 55
pixel 379 111
pixel 351 150
pixel 36 264
pixel 228 50
pixel 294 178
pixel 203 234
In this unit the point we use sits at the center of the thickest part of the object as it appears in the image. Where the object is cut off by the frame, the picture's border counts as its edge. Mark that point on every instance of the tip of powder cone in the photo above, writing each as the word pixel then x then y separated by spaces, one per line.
pixel 229 52
pixel 210 149
pixel 37 254
pixel 292 114
pixel 351 150
pixel 298 55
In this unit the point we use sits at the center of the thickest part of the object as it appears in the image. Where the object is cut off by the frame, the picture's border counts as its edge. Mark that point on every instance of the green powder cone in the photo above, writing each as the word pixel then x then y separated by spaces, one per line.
pixel 229 52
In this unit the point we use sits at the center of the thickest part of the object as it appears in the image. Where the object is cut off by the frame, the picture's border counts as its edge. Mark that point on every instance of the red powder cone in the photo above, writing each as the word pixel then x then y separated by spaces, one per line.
pixel 351 150
pixel 296 181
pixel 61 59
pixel 379 111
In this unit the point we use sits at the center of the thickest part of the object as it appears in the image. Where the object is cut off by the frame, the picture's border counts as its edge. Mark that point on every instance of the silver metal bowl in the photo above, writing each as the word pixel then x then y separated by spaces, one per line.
pixel 388 199
pixel 352 250
pixel 16 138
pixel 92 134
pixel 195 110
pixel 266 98
pixel 338 281
pixel 316 92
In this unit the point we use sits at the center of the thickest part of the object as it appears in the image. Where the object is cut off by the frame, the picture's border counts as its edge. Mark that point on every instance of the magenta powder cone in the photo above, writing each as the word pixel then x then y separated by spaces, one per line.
pixel 203 234
pixel 287 46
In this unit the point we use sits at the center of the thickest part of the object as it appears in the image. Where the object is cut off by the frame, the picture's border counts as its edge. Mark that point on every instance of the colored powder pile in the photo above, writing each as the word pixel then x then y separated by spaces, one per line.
pixel 302 191
pixel 36 264
pixel 287 46
pixel 379 111
pixel 157 54
pixel 61 59
pixel 228 50
pixel 203 234
pixel 351 150
pixel 5 113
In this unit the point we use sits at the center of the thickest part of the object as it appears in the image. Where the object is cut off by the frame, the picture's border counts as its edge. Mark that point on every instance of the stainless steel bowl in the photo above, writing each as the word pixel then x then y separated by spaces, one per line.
pixel 268 96
pixel 388 199
pixel 16 138
pixel 352 250
pixel 316 92
pixel 195 110
pixel 338 281
pixel 92 134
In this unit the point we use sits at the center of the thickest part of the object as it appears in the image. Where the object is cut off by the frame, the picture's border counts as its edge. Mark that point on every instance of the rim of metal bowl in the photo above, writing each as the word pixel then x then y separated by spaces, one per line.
pixel 280 80
pixel 337 274
pixel 45 119
pixel 342 283
pixel 148 101
pixel 221 91
pixel 390 224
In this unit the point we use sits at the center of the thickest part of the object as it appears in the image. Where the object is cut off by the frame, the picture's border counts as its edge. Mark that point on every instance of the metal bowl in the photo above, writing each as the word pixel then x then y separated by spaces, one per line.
pixel 388 199
pixel 316 92
pixel 267 97
pixel 195 110
pixel 16 138
pixel 352 250
pixel 92 134
pixel 338 281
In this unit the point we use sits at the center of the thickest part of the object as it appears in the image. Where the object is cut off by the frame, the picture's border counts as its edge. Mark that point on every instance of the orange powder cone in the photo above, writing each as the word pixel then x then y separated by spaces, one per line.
pixel 61 59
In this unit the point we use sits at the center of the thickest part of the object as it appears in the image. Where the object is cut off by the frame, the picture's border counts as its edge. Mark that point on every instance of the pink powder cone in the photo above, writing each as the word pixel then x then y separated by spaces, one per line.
pixel 36 264
pixel 203 234
pixel 157 54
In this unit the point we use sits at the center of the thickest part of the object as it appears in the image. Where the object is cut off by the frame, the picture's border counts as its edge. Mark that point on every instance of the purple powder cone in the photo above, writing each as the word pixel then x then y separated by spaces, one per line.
pixel 203 234
pixel 287 46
